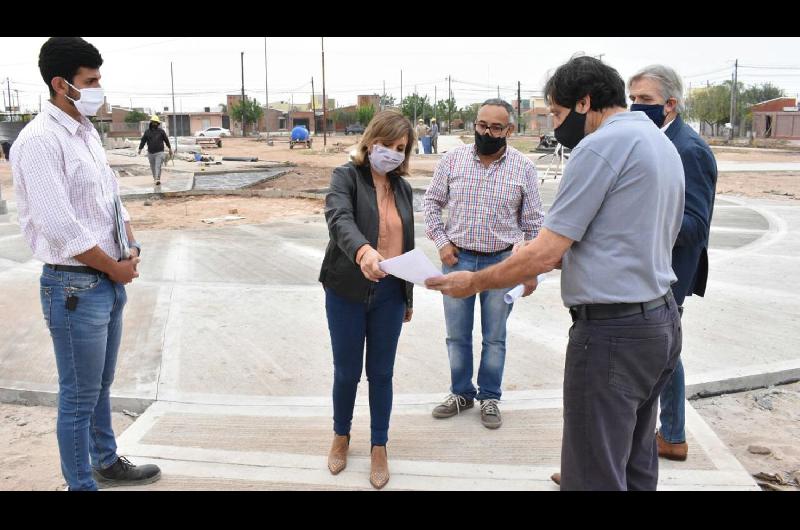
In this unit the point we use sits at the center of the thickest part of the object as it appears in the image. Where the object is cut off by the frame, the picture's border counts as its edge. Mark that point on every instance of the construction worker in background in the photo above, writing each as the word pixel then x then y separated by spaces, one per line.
pixel 422 131
pixel 155 137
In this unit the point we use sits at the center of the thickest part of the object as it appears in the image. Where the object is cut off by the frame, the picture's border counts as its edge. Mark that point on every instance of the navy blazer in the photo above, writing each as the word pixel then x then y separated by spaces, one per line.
pixel 690 253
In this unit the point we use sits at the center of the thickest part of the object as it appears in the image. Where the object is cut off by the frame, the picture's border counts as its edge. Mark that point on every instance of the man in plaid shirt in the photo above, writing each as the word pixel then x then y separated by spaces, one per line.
pixel 491 194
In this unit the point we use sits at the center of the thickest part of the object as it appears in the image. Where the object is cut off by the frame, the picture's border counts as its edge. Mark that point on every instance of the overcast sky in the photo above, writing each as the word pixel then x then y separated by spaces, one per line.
pixel 137 69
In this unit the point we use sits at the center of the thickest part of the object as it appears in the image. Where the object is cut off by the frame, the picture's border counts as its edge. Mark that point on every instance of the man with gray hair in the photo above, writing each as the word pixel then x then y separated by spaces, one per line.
pixel 491 194
pixel 657 91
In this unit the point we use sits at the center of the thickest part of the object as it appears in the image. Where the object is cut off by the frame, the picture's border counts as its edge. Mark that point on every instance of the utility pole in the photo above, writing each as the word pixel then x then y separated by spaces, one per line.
pixel 519 105
pixel 10 102
pixel 243 107
pixel 174 116
pixel 449 106
pixel 434 102
pixel 498 91
pixel 401 88
pixel 733 97
pixel 313 107
pixel 416 100
pixel 324 100
pixel 383 99
pixel 266 88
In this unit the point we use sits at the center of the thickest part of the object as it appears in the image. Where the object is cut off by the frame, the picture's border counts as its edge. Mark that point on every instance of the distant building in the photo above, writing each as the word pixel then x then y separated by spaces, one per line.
pixel 776 118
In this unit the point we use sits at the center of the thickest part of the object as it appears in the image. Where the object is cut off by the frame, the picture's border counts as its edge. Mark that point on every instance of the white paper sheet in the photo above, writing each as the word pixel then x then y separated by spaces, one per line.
pixel 511 296
pixel 413 266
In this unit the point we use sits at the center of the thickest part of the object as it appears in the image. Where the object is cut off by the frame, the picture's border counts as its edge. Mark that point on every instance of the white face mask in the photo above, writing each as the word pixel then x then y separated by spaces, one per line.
pixel 383 160
pixel 91 100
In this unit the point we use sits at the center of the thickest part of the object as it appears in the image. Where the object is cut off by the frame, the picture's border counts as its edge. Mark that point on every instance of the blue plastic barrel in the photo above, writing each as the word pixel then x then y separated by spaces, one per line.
pixel 426 144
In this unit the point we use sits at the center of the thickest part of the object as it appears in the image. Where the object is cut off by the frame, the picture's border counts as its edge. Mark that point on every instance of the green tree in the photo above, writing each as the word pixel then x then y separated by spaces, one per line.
pixel 416 106
pixel 387 101
pixel 345 117
pixel 711 105
pixel 365 114
pixel 135 116
pixel 753 95
pixel 248 111
pixel 469 114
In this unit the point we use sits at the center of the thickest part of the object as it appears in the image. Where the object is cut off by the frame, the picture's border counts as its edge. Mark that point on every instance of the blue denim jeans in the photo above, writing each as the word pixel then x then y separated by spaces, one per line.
pixel 351 324
pixel 86 341
pixel 459 316
pixel 673 407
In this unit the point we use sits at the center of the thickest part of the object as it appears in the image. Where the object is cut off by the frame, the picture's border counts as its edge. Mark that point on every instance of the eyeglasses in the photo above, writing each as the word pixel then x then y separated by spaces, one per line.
pixel 495 129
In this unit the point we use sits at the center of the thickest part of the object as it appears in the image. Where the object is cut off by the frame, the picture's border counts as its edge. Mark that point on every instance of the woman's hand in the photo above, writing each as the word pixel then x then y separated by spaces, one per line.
pixel 369 265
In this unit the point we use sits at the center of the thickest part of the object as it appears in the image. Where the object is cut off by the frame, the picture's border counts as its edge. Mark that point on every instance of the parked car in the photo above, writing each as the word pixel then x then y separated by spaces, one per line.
pixel 214 132
pixel 355 128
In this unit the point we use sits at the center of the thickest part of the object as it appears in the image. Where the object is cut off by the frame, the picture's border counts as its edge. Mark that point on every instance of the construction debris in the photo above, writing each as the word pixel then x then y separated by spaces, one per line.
pixel 212 220
pixel 240 158
pixel 131 414
pixel 759 450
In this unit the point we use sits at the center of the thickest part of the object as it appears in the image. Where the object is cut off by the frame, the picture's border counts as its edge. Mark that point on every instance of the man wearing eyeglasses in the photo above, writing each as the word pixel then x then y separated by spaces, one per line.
pixel 491 193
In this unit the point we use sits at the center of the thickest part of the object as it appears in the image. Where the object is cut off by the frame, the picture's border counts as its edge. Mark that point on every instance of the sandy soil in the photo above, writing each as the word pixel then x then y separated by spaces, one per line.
pixel 188 212
pixel 29 450
pixel 761 184
pixel 768 418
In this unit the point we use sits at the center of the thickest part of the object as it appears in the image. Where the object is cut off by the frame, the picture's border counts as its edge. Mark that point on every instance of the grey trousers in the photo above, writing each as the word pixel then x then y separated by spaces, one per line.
pixel 615 370
pixel 156 160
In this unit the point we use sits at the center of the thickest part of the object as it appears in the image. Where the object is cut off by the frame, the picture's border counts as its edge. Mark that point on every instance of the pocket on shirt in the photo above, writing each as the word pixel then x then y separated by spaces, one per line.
pixel 80 176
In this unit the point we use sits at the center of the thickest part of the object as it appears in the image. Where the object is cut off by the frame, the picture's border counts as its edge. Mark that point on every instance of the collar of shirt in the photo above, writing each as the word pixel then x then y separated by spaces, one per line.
pixel 622 116
pixel 66 121
pixel 502 157
pixel 665 127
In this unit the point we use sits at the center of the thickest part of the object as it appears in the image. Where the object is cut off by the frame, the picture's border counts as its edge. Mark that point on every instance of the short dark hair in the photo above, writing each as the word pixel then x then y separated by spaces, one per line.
pixel 586 75
pixel 501 103
pixel 64 56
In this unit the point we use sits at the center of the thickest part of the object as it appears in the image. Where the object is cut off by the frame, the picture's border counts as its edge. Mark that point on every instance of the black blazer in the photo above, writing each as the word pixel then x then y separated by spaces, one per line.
pixel 351 210
pixel 690 253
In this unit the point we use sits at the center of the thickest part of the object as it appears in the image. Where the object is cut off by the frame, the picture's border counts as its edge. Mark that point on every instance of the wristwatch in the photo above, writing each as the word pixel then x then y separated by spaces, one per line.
pixel 137 247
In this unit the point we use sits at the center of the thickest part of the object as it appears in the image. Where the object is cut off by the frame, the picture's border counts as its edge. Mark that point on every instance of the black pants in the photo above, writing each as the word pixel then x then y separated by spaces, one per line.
pixel 615 370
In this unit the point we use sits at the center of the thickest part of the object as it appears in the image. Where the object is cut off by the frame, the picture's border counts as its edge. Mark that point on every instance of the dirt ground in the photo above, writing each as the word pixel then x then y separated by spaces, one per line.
pixel 761 184
pixel 189 212
pixel 765 418
pixel 29 452
pixel 314 166
pixel 28 448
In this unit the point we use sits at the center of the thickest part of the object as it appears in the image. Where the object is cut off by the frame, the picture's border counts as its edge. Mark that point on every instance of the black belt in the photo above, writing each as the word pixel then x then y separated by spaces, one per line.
pixel 607 311
pixel 75 268
pixel 489 254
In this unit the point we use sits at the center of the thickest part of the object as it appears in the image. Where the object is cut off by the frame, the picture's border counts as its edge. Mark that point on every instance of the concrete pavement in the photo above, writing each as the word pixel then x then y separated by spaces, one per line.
pixel 225 332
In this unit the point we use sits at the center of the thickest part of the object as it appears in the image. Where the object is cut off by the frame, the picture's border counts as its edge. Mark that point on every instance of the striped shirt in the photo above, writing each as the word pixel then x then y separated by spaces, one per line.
pixel 489 208
pixel 64 187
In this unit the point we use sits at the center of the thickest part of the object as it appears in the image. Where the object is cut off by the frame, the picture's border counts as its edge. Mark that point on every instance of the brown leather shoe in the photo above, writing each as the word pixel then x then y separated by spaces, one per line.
pixel 337 458
pixel 671 451
pixel 556 477
pixel 379 469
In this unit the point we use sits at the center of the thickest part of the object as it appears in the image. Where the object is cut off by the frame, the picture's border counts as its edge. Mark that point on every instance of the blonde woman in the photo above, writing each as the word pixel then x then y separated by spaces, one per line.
pixel 369 210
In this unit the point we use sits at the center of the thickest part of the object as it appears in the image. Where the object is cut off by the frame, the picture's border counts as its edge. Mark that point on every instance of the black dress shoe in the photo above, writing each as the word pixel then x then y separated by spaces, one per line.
pixel 123 473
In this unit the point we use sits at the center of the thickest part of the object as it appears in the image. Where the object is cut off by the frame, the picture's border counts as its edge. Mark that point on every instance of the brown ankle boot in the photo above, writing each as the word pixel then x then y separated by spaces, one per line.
pixel 379 469
pixel 337 458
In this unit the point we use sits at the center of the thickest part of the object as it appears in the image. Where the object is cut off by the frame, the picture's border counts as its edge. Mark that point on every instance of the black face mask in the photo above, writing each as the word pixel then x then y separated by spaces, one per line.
pixel 571 130
pixel 488 145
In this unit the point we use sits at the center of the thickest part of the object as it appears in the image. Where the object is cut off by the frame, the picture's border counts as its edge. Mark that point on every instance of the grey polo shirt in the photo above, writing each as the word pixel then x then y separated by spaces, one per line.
pixel 621 200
